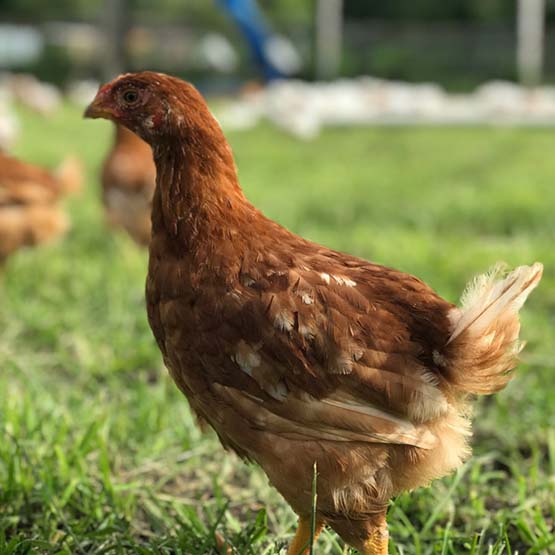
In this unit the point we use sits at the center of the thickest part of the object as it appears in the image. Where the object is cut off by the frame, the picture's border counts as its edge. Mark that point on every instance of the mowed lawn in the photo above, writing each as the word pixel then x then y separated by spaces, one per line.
pixel 98 451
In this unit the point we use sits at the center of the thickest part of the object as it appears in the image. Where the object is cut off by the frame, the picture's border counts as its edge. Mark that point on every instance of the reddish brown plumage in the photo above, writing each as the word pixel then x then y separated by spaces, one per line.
pixel 295 353
pixel 30 212
pixel 128 181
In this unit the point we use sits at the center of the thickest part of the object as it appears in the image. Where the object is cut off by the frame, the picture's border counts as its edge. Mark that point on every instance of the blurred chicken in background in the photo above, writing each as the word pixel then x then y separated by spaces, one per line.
pixel 43 98
pixel 128 181
pixel 30 212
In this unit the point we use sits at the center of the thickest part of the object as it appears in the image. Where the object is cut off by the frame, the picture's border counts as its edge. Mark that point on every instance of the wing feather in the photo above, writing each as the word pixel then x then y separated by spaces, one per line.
pixel 340 356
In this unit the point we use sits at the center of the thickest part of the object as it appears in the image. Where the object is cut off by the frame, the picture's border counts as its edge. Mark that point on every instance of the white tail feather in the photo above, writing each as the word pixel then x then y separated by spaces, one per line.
pixel 489 298
pixel 483 346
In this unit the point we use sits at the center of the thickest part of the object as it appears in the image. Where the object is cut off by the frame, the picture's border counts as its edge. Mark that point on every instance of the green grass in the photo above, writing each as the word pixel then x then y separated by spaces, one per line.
pixel 98 451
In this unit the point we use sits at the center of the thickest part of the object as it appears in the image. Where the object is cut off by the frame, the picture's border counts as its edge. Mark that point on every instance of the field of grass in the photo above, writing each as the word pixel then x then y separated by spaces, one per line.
pixel 98 451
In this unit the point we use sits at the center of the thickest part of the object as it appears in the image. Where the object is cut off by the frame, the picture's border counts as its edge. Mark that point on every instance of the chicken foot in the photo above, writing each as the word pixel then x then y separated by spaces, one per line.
pixel 301 542
pixel 377 543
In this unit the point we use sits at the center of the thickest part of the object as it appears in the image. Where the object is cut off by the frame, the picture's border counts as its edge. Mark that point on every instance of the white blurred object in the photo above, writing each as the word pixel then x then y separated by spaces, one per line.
pixel 501 96
pixel 9 124
pixel 283 55
pixel 513 103
pixel 217 52
pixel 41 97
pixel 240 116
pixel 82 93
pixel 303 109
pixel 9 130
pixel 292 106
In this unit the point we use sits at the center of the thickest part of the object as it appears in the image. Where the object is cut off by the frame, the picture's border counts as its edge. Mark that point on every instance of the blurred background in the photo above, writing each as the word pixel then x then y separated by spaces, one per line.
pixel 458 44
pixel 487 49
pixel 417 134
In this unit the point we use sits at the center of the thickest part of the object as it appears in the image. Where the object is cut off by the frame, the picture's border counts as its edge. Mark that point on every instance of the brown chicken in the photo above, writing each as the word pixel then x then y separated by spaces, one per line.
pixel 30 212
pixel 297 354
pixel 128 181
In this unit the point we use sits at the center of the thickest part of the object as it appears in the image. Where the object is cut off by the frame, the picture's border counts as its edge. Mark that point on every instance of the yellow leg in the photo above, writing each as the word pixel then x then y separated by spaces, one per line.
pixel 301 541
pixel 221 544
pixel 377 543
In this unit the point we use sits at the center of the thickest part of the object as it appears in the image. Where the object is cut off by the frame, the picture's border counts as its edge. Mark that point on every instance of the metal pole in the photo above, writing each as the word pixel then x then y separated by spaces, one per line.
pixel 329 31
pixel 530 46
pixel 116 24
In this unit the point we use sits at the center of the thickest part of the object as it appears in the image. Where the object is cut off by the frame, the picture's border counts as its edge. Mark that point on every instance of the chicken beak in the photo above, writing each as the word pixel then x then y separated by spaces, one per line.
pixel 97 109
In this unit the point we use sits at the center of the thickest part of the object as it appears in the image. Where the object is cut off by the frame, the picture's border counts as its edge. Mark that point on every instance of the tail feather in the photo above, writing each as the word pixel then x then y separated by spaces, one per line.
pixel 483 347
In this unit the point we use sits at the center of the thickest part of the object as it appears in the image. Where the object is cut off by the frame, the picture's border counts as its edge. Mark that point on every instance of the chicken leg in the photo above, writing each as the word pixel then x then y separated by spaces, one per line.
pixel 368 535
pixel 377 543
pixel 301 542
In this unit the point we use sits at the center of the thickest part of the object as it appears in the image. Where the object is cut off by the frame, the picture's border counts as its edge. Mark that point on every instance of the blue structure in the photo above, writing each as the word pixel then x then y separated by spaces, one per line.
pixel 250 20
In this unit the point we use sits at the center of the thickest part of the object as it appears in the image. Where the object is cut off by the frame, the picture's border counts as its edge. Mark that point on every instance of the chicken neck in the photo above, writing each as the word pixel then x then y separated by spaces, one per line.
pixel 198 204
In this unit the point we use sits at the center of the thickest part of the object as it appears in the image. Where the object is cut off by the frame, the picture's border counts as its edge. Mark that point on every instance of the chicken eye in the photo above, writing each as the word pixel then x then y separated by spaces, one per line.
pixel 130 96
